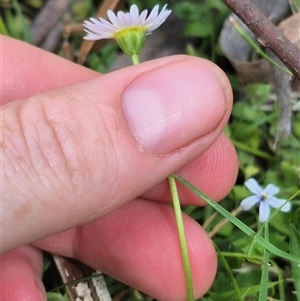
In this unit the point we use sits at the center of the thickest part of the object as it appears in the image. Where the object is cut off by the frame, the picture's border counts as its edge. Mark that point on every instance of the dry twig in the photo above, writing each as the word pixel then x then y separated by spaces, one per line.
pixel 266 33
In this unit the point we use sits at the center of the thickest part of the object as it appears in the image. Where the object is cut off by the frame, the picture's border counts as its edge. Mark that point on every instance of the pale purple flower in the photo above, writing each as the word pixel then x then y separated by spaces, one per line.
pixel 264 198
pixel 98 29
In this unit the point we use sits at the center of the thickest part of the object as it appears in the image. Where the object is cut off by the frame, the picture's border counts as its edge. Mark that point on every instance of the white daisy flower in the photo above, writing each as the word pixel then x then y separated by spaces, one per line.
pixel 264 198
pixel 128 29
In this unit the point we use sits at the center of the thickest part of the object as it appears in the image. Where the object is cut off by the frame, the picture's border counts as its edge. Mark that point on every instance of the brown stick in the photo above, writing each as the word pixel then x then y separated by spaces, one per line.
pixel 93 288
pixel 47 18
pixel 266 33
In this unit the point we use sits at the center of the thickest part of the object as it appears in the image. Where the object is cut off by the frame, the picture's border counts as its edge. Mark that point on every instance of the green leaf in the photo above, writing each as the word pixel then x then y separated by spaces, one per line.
pixel 249 278
pixel 246 112
pixel 51 296
pixel 280 222
pixel 3 29
pixel 187 11
pixel 251 170
pixel 257 93
pixel 230 274
pixel 196 29
pixel 295 6
pixel 221 283
pixel 246 291
pixel 23 24
pixel 295 250
pixel 295 125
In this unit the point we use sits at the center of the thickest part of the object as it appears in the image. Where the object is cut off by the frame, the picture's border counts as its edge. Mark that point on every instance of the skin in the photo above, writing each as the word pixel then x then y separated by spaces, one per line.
pixel 65 145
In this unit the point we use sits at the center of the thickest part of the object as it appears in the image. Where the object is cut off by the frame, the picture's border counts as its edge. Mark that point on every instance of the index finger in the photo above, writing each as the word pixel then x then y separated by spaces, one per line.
pixel 29 70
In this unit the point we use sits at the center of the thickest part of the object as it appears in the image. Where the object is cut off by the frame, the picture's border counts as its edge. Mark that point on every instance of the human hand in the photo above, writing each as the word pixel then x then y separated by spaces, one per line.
pixel 85 158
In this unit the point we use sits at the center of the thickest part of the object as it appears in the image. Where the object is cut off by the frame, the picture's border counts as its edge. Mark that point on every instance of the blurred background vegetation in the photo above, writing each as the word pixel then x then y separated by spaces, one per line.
pixel 56 26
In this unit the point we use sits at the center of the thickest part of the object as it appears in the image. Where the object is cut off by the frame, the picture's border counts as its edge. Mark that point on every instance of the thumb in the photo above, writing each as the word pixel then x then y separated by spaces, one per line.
pixel 77 153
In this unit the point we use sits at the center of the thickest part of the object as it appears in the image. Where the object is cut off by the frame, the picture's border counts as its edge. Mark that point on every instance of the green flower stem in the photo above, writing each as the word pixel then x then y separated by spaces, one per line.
pixel 135 59
pixel 19 14
pixel 180 226
pixel 182 239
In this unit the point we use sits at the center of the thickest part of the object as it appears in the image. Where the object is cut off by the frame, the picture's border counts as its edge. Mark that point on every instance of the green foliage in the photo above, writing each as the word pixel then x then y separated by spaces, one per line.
pixel 295 125
pixel 252 129
pixel 101 60
pixel 51 296
pixel 81 11
pixel 203 20
pixel 295 5
pixel 295 250
pixel 15 23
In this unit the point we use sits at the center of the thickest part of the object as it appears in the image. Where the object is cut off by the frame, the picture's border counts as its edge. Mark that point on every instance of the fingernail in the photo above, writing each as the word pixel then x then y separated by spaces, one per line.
pixel 173 105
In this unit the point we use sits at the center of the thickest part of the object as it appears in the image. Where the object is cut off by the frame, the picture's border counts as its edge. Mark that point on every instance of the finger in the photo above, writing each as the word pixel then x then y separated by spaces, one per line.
pixel 138 244
pixel 216 168
pixel 44 71
pixel 214 173
pixel 78 150
pixel 20 274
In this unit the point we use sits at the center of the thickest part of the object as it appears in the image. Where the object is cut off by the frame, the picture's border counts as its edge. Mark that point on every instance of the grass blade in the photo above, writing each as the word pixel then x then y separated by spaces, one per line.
pixel 260 240
pixel 246 291
pixel 3 29
pixel 263 292
pixel 25 28
pixel 255 47
pixel 230 274
pixel 295 250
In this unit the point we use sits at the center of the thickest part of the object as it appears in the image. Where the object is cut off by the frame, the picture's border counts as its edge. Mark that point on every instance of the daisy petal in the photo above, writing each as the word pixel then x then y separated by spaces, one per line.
pixel 153 14
pixel 271 190
pixel 95 36
pixel 155 19
pixel 159 21
pixel 253 186
pixel 93 20
pixel 125 20
pixel 164 13
pixel 129 20
pixel 99 28
pixel 119 23
pixel 103 21
pixel 142 17
pixel 264 211
pixel 115 20
pixel 249 202
pixel 134 12
pixel 100 34
pixel 91 37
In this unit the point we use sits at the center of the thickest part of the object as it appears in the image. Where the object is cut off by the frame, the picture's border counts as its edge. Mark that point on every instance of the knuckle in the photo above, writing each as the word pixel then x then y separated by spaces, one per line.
pixel 56 145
